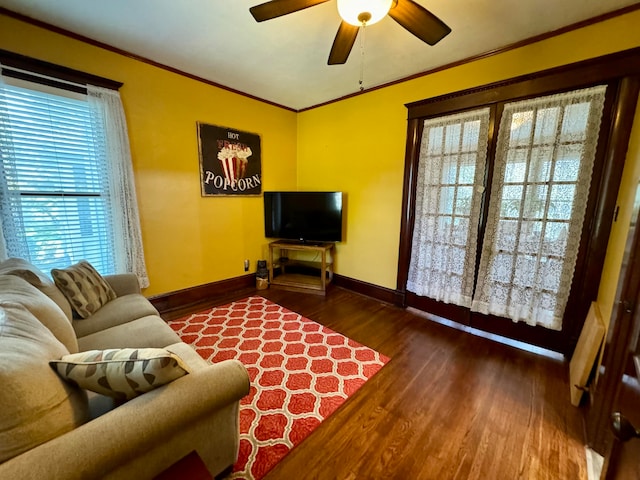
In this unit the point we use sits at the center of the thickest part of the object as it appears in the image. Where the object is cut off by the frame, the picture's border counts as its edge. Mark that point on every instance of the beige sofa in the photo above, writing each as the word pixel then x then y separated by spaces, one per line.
pixel 52 429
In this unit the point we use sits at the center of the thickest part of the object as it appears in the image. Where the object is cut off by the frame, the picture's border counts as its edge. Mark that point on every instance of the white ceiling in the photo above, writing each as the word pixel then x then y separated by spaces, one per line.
pixel 284 60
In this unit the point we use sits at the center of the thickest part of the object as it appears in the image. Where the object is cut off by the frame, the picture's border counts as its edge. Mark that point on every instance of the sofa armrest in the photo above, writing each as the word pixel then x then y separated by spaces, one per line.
pixel 123 283
pixel 103 445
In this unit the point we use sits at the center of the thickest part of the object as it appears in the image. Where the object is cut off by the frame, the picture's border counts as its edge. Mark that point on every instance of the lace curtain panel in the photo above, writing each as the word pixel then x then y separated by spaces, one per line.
pixel 111 132
pixel 448 199
pixel 11 228
pixel 542 173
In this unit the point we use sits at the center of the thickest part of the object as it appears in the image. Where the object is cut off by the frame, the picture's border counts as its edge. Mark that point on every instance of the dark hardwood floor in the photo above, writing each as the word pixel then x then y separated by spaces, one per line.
pixel 448 405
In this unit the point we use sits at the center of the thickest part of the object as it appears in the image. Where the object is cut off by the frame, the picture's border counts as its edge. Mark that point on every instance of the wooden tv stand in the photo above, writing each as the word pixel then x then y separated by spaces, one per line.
pixel 301 275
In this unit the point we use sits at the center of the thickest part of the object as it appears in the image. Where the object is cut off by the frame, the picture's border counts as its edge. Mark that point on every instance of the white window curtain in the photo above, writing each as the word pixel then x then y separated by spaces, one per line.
pixel 11 228
pixel 55 206
pixel 111 133
pixel 542 173
pixel 450 181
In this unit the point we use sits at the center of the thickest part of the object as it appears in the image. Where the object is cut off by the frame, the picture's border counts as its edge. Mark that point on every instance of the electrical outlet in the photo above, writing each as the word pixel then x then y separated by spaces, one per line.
pixel 246 265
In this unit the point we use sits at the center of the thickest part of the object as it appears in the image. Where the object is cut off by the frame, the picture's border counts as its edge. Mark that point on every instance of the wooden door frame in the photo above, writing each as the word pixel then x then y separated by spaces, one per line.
pixel 621 71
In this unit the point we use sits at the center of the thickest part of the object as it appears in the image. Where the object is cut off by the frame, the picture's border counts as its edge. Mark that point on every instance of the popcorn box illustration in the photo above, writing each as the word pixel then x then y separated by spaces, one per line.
pixel 234 159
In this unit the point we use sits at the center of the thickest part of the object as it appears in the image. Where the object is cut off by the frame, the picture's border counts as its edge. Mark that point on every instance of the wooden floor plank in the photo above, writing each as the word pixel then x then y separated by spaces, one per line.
pixel 449 405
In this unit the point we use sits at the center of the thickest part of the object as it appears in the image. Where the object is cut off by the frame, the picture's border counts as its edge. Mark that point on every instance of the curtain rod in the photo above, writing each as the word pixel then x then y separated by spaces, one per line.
pixel 4 69
pixel 63 77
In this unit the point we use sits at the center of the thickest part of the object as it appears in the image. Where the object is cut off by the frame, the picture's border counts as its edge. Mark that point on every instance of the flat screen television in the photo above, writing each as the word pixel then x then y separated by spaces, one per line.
pixel 303 216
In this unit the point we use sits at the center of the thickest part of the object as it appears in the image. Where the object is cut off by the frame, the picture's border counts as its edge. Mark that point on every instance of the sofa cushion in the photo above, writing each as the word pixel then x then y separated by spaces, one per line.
pixel 29 272
pixel 15 289
pixel 121 373
pixel 117 312
pixel 36 404
pixel 84 287
pixel 146 332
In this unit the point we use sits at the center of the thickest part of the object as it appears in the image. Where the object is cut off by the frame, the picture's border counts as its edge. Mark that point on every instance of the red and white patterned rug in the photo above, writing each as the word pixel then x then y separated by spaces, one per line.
pixel 300 372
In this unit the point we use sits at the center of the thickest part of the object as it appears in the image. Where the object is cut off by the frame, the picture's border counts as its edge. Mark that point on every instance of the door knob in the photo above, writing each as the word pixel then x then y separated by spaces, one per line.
pixel 622 427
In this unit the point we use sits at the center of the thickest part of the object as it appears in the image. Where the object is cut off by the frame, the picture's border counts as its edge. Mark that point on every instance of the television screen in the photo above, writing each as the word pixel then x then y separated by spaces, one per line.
pixel 303 216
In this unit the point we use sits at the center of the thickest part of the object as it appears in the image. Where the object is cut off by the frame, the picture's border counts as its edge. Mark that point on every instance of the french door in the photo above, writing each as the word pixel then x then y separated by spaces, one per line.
pixel 508 202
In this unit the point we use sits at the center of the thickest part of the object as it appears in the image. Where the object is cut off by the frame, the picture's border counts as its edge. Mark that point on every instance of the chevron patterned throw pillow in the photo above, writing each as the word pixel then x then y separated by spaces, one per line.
pixel 121 373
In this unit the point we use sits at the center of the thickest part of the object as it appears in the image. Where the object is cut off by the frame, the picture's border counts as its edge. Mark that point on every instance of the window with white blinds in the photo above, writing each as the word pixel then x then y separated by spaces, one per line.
pixel 55 180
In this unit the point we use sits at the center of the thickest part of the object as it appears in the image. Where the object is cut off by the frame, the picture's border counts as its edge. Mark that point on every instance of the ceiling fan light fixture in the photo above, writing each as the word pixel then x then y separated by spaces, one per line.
pixel 367 12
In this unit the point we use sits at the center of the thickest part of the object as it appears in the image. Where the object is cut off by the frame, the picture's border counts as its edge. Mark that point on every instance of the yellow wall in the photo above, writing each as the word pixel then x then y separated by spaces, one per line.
pixel 358 145
pixel 188 239
pixel 620 228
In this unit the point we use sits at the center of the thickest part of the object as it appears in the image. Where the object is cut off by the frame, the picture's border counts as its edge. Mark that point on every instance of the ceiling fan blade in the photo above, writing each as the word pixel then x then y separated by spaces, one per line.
pixel 419 21
pixel 343 43
pixel 277 8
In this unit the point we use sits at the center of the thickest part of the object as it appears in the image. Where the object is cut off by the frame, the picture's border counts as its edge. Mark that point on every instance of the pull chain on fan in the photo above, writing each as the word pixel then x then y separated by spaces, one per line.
pixel 362 37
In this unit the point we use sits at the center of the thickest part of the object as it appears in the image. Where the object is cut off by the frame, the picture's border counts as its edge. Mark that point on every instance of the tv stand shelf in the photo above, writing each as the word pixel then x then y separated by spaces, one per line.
pixel 301 275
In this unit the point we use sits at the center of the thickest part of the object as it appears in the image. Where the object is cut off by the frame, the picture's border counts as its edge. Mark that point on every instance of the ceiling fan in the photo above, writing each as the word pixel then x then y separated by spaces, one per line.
pixel 358 13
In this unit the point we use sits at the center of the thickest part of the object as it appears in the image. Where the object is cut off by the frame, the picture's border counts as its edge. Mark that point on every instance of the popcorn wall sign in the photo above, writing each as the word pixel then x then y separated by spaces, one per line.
pixel 230 161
